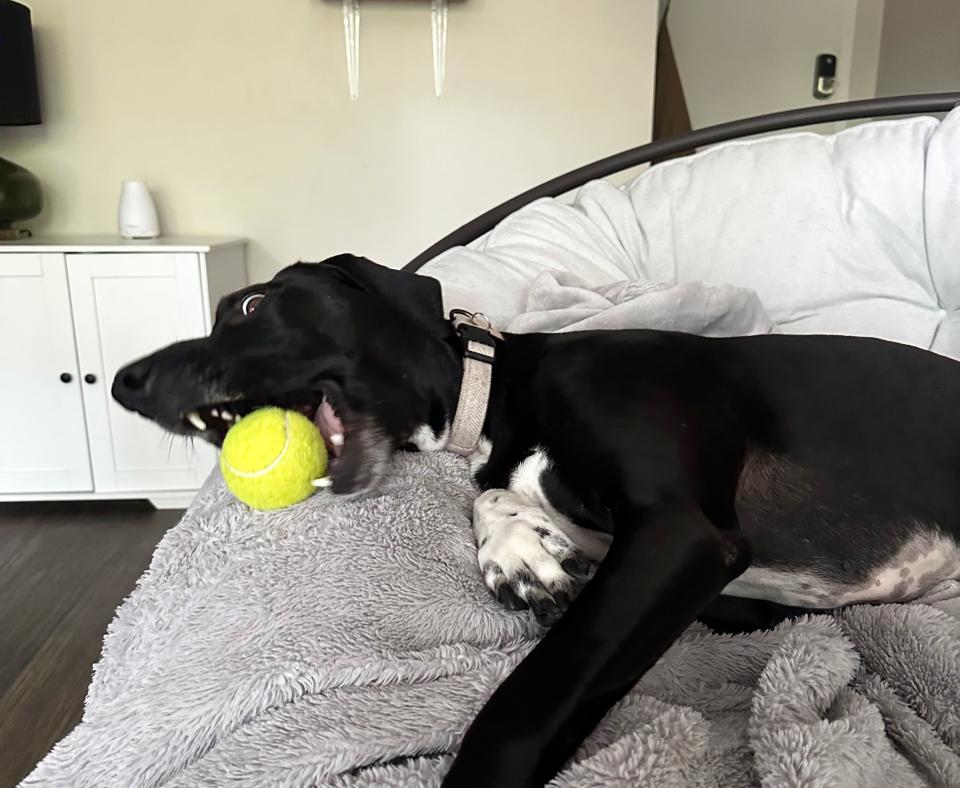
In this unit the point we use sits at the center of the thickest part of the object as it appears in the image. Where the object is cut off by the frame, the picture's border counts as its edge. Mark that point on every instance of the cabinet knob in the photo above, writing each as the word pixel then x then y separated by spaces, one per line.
pixel 65 377
pixel 90 378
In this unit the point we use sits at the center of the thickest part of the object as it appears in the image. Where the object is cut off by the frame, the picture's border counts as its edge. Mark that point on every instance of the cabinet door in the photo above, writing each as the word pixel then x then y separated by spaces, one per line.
pixel 43 439
pixel 124 307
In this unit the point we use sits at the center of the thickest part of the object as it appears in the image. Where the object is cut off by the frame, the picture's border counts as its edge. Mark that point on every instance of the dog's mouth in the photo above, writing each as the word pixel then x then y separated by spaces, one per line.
pixel 358 447
pixel 212 420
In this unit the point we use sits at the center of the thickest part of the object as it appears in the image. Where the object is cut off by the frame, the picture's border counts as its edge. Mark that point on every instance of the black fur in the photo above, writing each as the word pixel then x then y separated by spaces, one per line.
pixel 700 457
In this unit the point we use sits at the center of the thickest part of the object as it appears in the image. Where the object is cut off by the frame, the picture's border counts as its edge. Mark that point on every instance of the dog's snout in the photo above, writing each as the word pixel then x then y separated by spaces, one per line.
pixel 131 385
pixel 165 384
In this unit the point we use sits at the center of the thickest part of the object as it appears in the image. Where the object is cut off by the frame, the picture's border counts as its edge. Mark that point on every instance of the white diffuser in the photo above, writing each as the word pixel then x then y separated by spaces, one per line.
pixel 137 215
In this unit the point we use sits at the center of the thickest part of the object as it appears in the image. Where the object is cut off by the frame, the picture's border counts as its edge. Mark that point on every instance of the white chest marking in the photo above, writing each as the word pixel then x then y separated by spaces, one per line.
pixel 480 455
pixel 425 439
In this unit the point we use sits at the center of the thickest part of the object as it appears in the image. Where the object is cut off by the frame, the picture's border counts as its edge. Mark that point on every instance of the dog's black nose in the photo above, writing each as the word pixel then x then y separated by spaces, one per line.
pixel 131 385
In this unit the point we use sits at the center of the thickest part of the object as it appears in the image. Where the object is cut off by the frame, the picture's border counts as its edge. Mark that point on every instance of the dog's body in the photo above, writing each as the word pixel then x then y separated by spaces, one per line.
pixel 818 449
pixel 805 472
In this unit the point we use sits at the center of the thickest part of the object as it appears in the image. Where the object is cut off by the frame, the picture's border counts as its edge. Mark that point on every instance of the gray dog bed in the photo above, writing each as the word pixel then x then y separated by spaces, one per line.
pixel 349 643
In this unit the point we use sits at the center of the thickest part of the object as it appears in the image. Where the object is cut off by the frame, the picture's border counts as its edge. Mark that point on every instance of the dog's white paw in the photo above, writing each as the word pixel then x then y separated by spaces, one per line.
pixel 526 560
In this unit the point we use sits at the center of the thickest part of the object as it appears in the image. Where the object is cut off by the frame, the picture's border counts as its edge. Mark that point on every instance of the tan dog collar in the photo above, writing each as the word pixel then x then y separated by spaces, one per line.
pixel 479 349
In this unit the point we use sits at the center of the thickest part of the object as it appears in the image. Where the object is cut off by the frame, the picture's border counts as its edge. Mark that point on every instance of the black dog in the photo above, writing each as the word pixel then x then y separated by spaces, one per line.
pixel 794 471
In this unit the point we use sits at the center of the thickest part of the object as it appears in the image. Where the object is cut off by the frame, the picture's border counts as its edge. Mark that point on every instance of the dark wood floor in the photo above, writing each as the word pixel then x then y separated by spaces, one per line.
pixel 64 568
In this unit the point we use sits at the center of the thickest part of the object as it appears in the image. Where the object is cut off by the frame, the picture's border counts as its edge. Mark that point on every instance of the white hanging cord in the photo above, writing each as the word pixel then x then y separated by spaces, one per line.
pixel 351 35
pixel 438 18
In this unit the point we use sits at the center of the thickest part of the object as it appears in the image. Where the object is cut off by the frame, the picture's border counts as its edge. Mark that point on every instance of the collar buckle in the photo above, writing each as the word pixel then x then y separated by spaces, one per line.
pixel 475 327
pixel 461 317
pixel 477 343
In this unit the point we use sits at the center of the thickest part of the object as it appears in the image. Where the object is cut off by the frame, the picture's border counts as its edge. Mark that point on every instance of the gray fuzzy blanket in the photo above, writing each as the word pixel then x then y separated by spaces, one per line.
pixel 348 643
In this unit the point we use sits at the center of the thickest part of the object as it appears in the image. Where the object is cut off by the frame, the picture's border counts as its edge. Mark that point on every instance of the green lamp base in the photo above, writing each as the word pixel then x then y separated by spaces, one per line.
pixel 21 197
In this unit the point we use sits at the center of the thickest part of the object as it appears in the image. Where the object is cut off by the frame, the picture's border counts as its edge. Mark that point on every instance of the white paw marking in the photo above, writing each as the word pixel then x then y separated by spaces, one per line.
pixel 525 482
pixel 525 479
pixel 519 544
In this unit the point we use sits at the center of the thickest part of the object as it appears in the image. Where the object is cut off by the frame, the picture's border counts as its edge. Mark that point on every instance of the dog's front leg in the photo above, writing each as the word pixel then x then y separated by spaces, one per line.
pixel 665 564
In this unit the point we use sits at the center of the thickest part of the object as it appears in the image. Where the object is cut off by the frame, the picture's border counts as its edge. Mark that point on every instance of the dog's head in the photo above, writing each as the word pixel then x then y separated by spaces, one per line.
pixel 361 349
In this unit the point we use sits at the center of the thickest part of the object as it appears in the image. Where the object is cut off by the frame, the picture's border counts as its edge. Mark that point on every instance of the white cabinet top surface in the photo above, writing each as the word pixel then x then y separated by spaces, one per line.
pixel 114 243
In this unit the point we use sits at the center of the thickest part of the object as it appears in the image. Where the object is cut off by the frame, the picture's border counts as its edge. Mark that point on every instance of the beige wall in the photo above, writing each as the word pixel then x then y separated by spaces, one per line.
pixel 920 47
pixel 237 115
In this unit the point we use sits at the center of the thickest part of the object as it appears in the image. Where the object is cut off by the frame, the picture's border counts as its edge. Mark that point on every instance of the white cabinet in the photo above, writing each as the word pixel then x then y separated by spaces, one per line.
pixel 72 314
pixel 125 306
pixel 43 437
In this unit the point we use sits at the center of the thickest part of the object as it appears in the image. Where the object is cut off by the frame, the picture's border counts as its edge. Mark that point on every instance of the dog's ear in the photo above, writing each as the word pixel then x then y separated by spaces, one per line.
pixel 420 295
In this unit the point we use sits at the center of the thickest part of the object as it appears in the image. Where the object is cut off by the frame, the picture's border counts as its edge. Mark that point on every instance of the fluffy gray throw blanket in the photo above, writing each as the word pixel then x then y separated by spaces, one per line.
pixel 349 643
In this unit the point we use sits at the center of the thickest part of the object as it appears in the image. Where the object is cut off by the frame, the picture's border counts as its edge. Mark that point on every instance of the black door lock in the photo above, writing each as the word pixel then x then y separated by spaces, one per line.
pixel 825 76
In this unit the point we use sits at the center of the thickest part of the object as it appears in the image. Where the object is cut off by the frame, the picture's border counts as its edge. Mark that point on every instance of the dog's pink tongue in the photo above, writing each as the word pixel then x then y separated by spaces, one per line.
pixel 330 426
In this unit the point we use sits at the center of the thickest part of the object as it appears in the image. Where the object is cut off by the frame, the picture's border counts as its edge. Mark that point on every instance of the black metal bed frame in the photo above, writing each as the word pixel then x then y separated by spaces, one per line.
pixel 777 121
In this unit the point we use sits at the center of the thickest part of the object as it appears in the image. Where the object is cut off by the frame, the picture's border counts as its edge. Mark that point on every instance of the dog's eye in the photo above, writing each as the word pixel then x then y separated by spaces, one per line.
pixel 250 302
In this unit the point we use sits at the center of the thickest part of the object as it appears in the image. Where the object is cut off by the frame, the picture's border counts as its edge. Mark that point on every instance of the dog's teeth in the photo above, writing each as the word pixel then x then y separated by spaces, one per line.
pixel 326 481
pixel 194 418
pixel 227 415
pixel 215 413
pixel 337 439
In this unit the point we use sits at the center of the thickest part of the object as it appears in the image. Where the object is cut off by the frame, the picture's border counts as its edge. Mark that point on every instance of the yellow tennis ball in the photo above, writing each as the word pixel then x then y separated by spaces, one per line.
pixel 270 457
